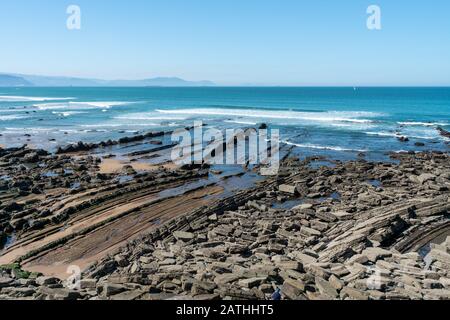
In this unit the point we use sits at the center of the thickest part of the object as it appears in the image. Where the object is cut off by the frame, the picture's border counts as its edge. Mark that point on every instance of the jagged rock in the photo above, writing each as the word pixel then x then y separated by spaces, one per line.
pixel 288 189
pixel 443 132
pixel 425 177
pixel 359 258
pixel 292 289
pixel 335 282
pixel 431 284
pixel 251 282
pixel 440 256
pixel 309 232
pixel 354 244
pixel 353 294
pixel 5 282
pixel 445 282
pixel 325 216
pixel 227 278
pixel 88 284
pixel 304 258
pixel 121 261
pixel 374 254
pixel 184 236
pixel 419 144
pixel 128 295
pixel 19 292
pixel 290 265
pixel 45 281
pixel 342 215
pixel 13 206
pixel 58 293
pixel 110 289
pixel 304 206
pixel 326 288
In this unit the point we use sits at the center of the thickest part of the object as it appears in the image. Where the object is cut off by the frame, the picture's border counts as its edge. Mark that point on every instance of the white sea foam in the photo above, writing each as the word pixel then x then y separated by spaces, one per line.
pixel 68 130
pixel 149 116
pixel 26 99
pixel 413 135
pixel 342 125
pixel 423 124
pixel 21 131
pixel 384 134
pixel 119 125
pixel 330 116
pixel 80 105
pixel 94 130
pixel 67 113
pixel 13 110
pixel 37 129
pixel 104 104
pixel 426 137
pixel 241 122
pixel 320 147
pixel 401 151
pixel 13 117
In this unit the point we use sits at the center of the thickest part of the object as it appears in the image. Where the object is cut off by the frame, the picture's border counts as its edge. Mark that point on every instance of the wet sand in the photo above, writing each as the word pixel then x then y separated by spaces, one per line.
pixel 117 166
pixel 88 248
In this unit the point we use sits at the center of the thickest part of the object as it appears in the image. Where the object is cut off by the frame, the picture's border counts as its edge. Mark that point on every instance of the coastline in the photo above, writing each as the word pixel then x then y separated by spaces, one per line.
pixel 225 158
pixel 155 231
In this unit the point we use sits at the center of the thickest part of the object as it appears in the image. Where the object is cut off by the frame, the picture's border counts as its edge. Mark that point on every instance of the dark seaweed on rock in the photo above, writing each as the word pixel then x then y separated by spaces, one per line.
pixel 81 146
pixel 443 132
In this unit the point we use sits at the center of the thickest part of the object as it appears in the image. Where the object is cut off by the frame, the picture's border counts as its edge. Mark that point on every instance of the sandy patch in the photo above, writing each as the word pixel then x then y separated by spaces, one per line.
pixel 116 166
pixel 84 250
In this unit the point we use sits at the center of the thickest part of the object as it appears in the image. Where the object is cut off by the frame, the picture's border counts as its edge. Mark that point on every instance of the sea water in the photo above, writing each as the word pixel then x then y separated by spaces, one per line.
pixel 336 122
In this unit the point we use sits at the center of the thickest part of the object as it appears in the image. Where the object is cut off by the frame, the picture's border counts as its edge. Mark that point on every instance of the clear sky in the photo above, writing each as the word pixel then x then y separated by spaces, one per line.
pixel 231 42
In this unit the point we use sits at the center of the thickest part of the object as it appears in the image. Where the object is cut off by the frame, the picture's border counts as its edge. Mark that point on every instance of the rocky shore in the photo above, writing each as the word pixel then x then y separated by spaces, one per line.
pixel 348 230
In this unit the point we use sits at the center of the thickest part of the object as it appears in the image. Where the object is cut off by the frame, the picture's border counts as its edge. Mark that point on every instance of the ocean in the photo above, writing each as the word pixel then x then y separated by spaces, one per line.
pixel 335 122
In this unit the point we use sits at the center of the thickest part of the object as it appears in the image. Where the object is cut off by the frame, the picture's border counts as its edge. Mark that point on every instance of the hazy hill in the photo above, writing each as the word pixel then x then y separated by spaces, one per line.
pixel 13 80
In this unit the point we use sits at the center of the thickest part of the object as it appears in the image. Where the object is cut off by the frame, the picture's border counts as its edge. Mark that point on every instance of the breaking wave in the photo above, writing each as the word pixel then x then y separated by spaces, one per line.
pixel 414 135
pixel 80 105
pixel 241 122
pixel 12 117
pixel 423 124
pixel 320 147
pixel 67 113
pixel 119 125
pixel 149 116
pixel 29 99
pixel 330 116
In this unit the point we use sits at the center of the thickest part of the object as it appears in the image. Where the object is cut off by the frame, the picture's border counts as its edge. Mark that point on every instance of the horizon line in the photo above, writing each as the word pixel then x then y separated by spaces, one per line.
pixel 198 83
pixel 243 86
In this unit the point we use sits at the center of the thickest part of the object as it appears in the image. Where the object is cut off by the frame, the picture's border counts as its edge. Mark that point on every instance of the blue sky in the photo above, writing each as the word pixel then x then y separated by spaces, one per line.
pixel 231 42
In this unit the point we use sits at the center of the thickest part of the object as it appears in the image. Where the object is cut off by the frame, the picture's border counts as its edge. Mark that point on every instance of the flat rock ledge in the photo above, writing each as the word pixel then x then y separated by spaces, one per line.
pixel 346 238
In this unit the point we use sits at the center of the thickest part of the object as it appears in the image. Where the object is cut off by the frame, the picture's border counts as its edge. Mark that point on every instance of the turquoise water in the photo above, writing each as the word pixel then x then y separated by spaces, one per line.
pixel 341 122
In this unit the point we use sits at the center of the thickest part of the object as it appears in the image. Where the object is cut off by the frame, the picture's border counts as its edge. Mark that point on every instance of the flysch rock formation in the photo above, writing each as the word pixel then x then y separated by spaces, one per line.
pixel 354 230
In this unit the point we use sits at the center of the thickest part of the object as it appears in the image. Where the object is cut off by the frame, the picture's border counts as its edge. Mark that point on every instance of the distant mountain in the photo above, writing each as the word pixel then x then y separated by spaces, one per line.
pixel 13 81
pixel 157 82
pixel 168 82
pixel 45 81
